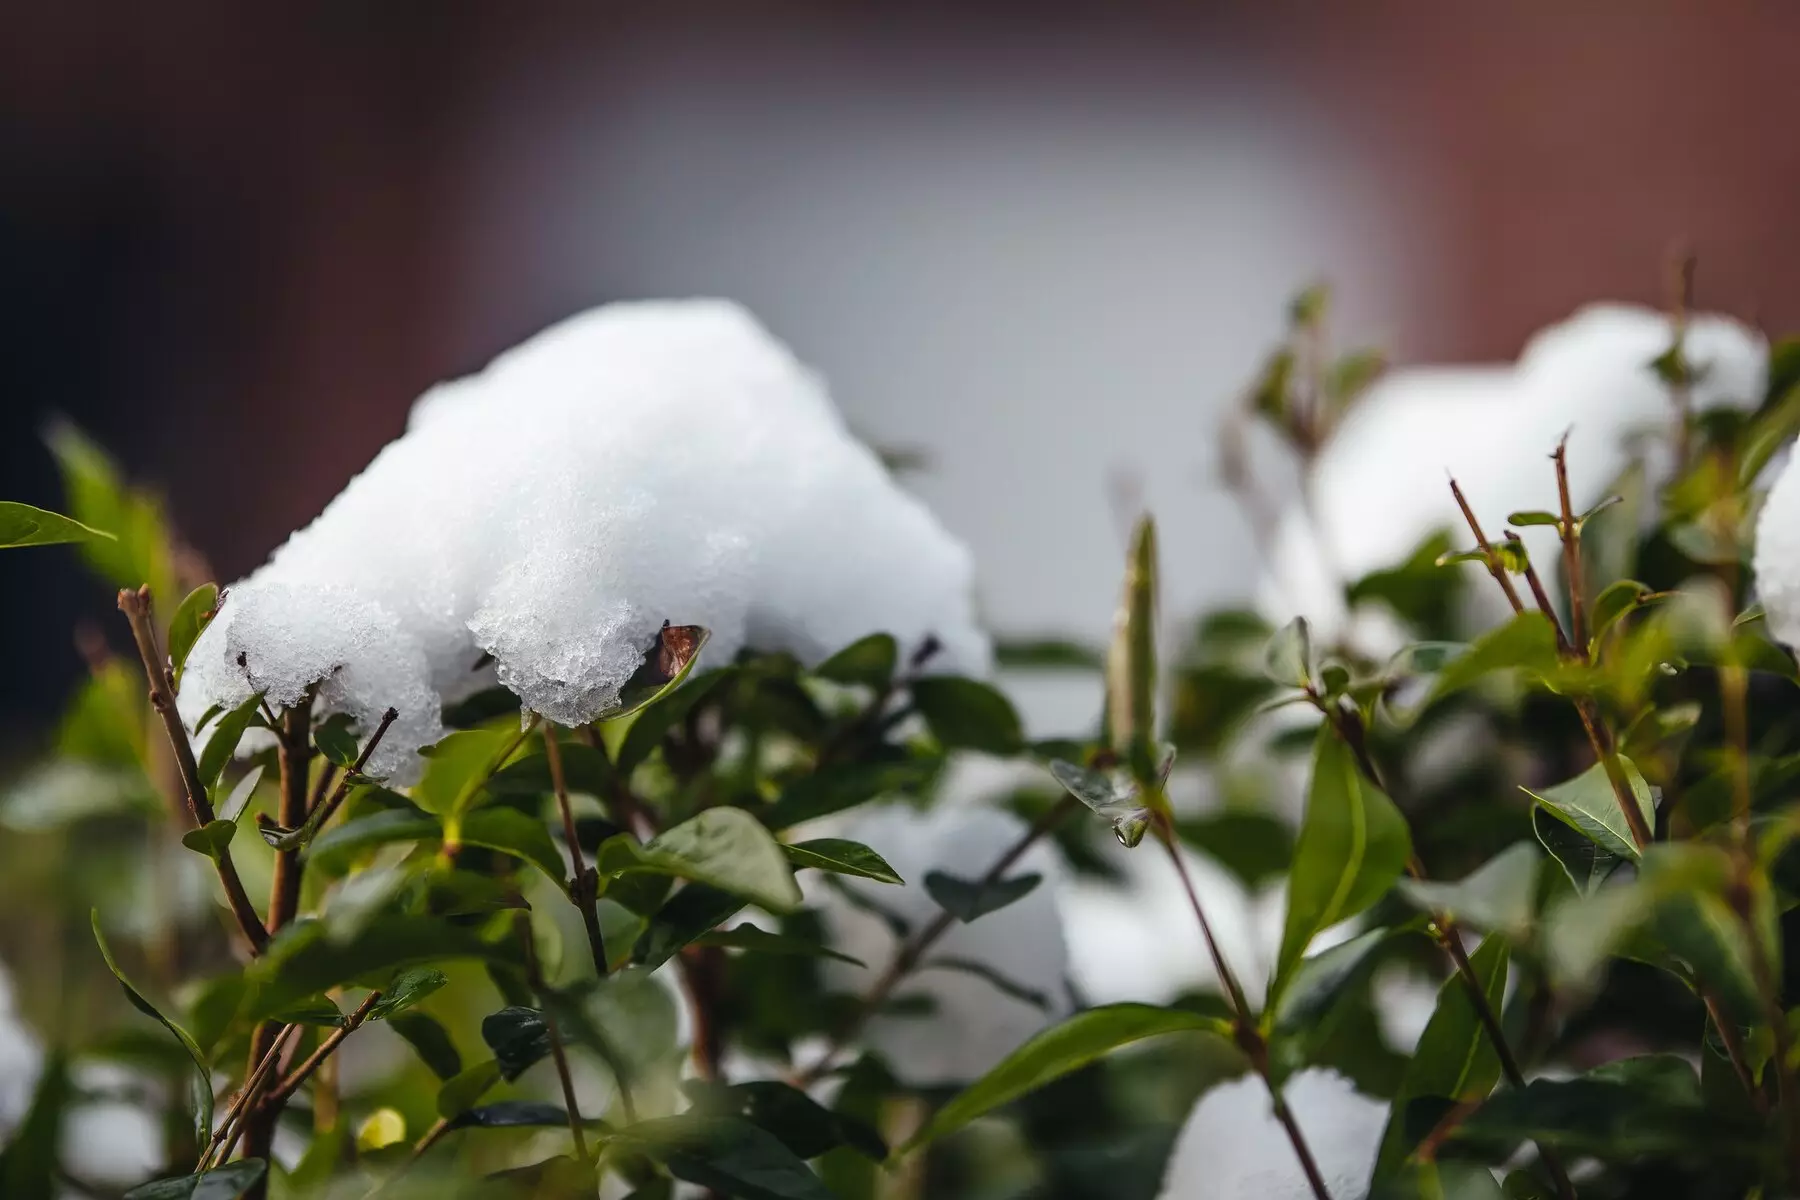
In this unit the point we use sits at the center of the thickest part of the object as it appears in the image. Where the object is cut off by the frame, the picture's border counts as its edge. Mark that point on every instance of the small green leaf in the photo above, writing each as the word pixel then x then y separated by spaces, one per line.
pixel 1042 654
pixel 729 849
pixel 464 1091
pixel 519 1038
pixel 186 625
pixel 504 829
pixel 728 1155
pixel 761 941
pixel 1056 1052
pixel 1112 795
pixel 409 987
pixel 1526 642
pixel 335 741
pixel 839 786
pixel 966 714
pixel 201 1084
pixel 223 1183
pixel 211 839
pixel 511 1114
pixel 802 1124
pixel 1533 517
pixel 1318 981
pixel 842 857
pixel 26 525
pixel 238 801
pixel 1588 804
pixel 1454 1059
pixel 869 662
pixel 692 911
pixel 967 900
pixel 1613 604
pixel 1353 845
pixel 1498 896
pixel 430 1041
pixel 1288 659
pixel 228 731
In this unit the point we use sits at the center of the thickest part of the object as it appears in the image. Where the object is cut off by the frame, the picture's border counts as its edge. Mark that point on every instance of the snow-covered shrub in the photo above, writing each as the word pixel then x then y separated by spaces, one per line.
pixel 605 797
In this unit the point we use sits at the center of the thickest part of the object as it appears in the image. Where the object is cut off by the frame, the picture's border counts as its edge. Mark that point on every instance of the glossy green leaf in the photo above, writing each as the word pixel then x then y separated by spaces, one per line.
pixel 1353 844
pixel 1533 517
pixel 761 941
pixel 728 1155
pixel 200 1089
pixel 968 900
pixel 801 1123
pixel 1319 980
pixel 1588 805
pixel 430 1041
pixel 692 911
pixel 519 1038
pixel 512 1114
pixel 1113 795
pixel 1454 1060
pixel 408 988
pixel 728 849
pixel 189 621
pixel 458 767
pixel 870 662
pixel 302 960
pixel 842 857
pixel 237 802
pixel 211 839
pixel 666 664
pixel 224 1183
pixel 1288 660
pixel 335 741
pixel 966 714
pixel 227 732
pixel 27 525
pixel 1055 1052
pixel 840 786
pixel 1526 642
pixel 504 829
pixel 1617 601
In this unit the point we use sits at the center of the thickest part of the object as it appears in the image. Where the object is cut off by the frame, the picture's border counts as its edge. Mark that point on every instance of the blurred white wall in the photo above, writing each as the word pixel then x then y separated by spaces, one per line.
pixel 1049 264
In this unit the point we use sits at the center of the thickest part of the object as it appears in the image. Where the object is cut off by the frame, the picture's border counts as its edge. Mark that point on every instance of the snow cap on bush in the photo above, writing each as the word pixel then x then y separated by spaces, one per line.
pixel 538 522
pixel 972 1024
pixel 1233 1148
pixel 1777 558
pixel 1378 488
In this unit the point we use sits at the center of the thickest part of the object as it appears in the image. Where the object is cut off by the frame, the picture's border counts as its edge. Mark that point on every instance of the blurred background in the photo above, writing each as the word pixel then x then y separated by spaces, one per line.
pixel 1046 245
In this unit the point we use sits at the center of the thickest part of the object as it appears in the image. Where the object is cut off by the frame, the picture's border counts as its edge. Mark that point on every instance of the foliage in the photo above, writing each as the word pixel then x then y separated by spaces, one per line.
pixel 1600 885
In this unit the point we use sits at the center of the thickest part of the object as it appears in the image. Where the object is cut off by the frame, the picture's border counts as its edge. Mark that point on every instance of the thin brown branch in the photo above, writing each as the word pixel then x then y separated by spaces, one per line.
pixel 1735 1051
pixel 226 1134
pixel 1571 544
pixel 278 1095
pixel 535 977
pixel 1494 566
pixel 321 811
pixel 584 881
pixel 1544 603
pixel 913 950
pixel 136 605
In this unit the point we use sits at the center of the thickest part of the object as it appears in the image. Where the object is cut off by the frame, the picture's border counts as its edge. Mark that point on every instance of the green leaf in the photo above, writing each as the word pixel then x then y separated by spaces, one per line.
pixel 504 829
pixel 1254 846
pixel 966 714
pixel 430 1041
pixel 1131 659
pixel 457 768
pixel 802 1124
pixel 140 551
pixel 26 525
pixel 29 1161
pixel 1454 1059
pixel 1353 845
pixel 726 848
pixel 238 801
pixel 189 621
pixel 1318 981
pixel 335 741
pixel 729 1155
pixel 224 1183
pixel 465 1090
pixel 1056 1052
pixel 409 987
pixel 519 1038
pixel 834 788
pixel 512 1114
pixel 1498 896
pixel 1527 642
pixel 1288 659
pixel 211 839
pixel 1699 928
pixel 692 911
pixel 749 937
pixel 1029 654
pixel 1618 600
pixel 201 1083
pixel 302 960
pixel 654 720
pixel 1533 517
pixel 869 662
pixel 1114 796
pixel 1585 862
pixel 842 857
pixel 1588 805
pixel 967 900
pixel 228 731
pixel 667 663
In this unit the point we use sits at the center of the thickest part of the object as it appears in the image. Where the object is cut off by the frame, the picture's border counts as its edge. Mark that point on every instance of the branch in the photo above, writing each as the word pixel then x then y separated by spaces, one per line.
pixel 584 881
pixel 535 977
pixel 227 1133
pixel 136 607
pixel 907 958
pixel 279 1094
pixel 1571 543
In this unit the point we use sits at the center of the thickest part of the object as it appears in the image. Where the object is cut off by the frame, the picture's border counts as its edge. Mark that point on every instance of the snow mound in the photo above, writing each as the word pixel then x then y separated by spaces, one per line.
pixel 1777 558
pixel 1233 1148
pixel 972 1024
pixel 539 521
pixel 1379 487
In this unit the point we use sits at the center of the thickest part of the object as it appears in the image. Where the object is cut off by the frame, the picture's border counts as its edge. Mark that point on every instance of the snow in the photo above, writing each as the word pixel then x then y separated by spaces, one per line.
pixel 1232 1148
pixel 1379 487
pixel 1777 558
pixel 641 462
pixel 974 1024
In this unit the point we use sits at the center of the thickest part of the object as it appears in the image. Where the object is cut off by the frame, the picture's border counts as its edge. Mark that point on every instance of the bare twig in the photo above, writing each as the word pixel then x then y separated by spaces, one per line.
pixel 228 1130
pixel 1571 543
pixel 1492 560
pixel 584 881
pixel 136 607
pixel 912 951
pixel 279 1094
pixel 322 809
pixel 535 977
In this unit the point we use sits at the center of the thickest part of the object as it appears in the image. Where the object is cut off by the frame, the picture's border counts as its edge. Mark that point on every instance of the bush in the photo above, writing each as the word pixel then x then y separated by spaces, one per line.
pixel 671 945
